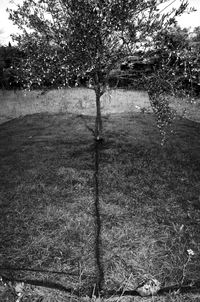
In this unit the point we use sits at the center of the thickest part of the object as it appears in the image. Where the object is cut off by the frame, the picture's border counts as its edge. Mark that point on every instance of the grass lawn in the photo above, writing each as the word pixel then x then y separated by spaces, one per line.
pixel 149 195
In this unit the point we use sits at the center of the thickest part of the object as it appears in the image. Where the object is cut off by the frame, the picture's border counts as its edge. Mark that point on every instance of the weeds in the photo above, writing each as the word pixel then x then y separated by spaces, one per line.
pixel 185 266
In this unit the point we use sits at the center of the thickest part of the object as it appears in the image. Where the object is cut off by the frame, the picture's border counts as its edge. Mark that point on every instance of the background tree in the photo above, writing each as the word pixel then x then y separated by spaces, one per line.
pixel 10 58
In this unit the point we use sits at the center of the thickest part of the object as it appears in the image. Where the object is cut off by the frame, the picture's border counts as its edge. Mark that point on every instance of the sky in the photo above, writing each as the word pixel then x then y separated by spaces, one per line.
pixel 6 27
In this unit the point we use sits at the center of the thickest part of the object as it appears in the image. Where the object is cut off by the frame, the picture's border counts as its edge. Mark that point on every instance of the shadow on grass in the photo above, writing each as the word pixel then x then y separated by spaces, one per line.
pixel 148 201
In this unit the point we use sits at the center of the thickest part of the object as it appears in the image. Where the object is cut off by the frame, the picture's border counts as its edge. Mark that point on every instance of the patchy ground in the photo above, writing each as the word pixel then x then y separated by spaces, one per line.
pixel 150 204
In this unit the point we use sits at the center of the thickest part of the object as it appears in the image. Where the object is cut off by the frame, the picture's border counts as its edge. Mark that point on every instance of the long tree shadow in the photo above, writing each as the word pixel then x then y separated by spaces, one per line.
pixel 97 215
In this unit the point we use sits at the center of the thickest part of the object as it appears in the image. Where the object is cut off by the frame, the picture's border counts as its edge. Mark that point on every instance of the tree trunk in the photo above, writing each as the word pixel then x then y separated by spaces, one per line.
pixel 98 123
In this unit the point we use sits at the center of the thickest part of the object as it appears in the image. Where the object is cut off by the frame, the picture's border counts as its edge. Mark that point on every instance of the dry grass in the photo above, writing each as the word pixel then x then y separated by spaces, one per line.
pixel 15 104
pixel 74 100
pixel 150 203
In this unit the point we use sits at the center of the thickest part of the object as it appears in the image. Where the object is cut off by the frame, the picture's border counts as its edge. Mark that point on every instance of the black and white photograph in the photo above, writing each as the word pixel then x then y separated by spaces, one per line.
pixel 99 150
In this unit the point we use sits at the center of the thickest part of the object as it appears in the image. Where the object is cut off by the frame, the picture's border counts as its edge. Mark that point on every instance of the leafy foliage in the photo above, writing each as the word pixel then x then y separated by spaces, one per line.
pixel 84 36
pixel 179 57
pixel 43 65
pixel 10 58
pixel 176 73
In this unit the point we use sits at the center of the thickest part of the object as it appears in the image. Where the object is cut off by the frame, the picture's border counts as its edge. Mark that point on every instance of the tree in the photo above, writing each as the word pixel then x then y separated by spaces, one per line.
pixel 66 37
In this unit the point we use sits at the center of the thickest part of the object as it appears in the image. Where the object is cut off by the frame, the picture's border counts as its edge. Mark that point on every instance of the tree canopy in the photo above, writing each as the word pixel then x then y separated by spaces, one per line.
pixel 86 36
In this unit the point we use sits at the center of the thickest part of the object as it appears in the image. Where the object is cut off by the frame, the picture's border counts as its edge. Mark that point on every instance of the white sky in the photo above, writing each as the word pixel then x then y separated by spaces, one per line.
pixel 6 27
